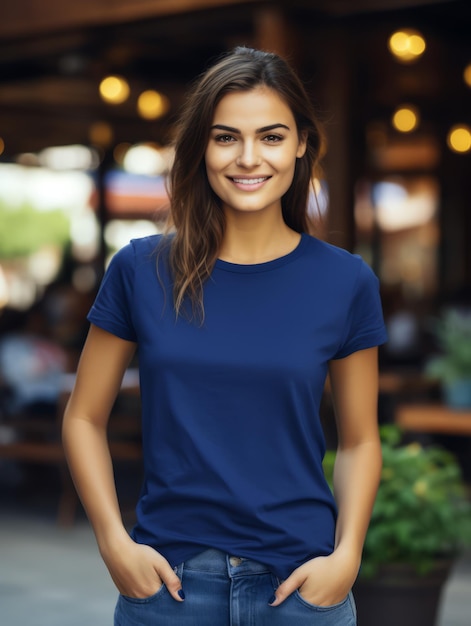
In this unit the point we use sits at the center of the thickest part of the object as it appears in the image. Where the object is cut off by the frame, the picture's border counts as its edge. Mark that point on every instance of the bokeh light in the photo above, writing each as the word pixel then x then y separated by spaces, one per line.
pixel 100 134
pixel 151 104
pixel 74 157
pixel 144 159
pixel 114 89
pixel 467 75
pixel 407 45
pixel 459 138
pixel 405 118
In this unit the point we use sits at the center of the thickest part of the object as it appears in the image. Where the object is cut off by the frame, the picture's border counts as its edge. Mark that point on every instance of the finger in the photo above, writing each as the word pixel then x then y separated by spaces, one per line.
pixel 171 581
pixel 286 588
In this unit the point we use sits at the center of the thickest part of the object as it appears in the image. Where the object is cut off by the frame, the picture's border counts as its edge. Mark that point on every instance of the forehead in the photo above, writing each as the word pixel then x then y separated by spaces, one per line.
pixel 256 108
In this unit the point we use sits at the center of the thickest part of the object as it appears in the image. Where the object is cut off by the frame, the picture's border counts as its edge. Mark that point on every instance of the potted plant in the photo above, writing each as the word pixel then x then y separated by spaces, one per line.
pixel 453 366
pixel 421 520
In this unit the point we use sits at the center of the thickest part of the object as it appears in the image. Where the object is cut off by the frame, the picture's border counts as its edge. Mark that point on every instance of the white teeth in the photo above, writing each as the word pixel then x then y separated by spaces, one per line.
pixel 249 181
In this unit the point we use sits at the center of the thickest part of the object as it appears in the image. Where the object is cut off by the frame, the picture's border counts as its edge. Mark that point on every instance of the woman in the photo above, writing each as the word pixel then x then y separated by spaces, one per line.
pixel 238 317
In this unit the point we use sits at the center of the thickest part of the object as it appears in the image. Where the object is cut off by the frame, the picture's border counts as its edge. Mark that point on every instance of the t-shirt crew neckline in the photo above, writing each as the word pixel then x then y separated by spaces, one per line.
pixel 267 265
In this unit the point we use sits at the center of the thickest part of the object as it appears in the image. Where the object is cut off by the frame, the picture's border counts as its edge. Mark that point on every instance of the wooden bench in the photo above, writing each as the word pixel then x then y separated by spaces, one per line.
pixel 433 418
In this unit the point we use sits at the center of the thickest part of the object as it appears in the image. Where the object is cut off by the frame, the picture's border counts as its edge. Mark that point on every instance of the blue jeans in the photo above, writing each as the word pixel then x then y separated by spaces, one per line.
pixel 223 590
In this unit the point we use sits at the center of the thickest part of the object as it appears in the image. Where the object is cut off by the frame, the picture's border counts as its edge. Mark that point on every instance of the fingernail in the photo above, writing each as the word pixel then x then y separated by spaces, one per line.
pixel 181 593
pixel 271 600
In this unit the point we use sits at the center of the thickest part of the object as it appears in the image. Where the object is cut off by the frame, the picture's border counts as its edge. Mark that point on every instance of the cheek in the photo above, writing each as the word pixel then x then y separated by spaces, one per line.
pixel 285 160
pixel 215 161
pixel 286 169
pixel 287 165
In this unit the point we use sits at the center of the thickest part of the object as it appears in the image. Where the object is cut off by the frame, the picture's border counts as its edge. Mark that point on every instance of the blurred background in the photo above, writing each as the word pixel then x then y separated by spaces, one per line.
pixel 89 93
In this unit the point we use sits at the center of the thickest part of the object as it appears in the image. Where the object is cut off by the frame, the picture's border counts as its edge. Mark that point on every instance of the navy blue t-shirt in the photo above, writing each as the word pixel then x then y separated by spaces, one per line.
pixel 232 440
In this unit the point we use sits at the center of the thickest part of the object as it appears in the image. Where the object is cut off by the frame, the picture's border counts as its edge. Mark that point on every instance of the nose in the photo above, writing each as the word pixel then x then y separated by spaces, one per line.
pixel 248 156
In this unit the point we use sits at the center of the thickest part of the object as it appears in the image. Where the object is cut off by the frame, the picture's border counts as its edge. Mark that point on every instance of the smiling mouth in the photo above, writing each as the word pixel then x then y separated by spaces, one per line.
pixel 249 181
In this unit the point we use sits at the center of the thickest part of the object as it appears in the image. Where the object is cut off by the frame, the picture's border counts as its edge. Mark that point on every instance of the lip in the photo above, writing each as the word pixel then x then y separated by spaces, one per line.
pixel 248 183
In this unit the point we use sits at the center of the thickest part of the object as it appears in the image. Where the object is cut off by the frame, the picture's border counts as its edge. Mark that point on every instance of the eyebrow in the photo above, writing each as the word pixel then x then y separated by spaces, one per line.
pixel 236 131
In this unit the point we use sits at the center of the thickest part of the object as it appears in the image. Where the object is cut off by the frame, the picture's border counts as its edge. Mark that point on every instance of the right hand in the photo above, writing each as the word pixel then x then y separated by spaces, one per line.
pixel 138 571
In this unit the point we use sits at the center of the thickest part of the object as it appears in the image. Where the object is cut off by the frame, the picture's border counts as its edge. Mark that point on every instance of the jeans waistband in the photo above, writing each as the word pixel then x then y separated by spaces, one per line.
pixel 213 560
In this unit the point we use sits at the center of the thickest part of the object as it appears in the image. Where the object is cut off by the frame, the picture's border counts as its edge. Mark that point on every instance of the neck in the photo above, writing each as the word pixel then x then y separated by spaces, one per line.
pixel 252 238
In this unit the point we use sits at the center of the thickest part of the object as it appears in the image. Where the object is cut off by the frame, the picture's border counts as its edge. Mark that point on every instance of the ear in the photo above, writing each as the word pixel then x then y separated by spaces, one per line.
pixel 302 145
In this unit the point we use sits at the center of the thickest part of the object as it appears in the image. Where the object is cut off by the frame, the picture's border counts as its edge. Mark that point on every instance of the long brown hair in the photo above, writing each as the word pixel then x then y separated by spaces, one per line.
pixel 196 212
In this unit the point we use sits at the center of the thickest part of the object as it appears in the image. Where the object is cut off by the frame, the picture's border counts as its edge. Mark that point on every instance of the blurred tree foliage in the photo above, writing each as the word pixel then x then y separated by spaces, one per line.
pixel 24 230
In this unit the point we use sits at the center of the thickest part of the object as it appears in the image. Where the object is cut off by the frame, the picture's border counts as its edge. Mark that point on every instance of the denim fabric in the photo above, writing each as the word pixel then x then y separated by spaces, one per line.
pixel 224 590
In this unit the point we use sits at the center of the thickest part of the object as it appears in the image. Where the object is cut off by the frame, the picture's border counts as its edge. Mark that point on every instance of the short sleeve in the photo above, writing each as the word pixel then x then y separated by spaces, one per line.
pixel 364 326
pixel 111 310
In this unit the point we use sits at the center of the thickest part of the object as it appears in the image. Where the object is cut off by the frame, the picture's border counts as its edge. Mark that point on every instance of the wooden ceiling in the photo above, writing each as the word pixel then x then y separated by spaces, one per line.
pixel 29 17
pixel 53 54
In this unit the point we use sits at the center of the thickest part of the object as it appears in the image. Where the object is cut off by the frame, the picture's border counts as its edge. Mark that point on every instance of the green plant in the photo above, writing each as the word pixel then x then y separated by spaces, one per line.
pixel 421 513
pixel 24 230
pixel 453 332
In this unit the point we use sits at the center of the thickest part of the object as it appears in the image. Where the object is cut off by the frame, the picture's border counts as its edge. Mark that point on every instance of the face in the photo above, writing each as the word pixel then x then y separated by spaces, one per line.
pixel 252 150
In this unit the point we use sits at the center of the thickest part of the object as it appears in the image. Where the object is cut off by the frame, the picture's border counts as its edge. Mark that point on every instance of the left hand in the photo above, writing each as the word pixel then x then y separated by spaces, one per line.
pixel 323 581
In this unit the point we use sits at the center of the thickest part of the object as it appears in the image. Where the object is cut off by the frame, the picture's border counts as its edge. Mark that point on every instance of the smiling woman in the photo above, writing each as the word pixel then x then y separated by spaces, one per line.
pixel 252 79
pixel 251 166
pixel 232 371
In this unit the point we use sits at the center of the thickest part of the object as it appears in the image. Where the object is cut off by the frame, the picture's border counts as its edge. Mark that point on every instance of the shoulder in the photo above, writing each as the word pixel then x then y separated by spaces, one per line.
pixel 339 266
pixel 138 250
pixel 143 246
pixel 322 248
pixel 332 256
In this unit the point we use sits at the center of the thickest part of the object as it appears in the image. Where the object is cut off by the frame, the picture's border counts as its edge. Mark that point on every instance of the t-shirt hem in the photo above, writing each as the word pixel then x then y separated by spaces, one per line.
pixel 362 344
pixel 111 328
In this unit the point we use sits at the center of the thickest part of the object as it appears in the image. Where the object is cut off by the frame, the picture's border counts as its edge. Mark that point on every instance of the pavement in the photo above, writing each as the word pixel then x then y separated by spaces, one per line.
pixel 53 576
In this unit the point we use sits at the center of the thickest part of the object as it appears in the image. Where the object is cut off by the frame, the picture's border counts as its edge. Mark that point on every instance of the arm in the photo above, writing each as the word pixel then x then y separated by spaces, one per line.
pixel 137 570
pixel 354 381
pixel 358 463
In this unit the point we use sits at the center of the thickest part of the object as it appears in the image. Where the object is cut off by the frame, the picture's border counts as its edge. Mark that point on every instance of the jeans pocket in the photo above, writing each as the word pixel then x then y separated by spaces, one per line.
pixel 317 607
pixel 147 599
pixel 343 612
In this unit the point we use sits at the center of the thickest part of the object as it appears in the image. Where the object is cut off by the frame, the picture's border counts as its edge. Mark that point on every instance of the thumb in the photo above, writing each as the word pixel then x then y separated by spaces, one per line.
pixel 171 581
pixel 293 582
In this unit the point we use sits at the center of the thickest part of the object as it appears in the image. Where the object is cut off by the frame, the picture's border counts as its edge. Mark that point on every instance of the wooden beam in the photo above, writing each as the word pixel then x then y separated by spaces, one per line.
pixel 339 161
pixel 271 30
pixel 352 7
pixel 23 18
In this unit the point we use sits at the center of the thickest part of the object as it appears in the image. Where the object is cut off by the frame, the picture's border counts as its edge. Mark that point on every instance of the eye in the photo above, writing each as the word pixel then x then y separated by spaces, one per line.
pixel 273 138
pixel 224 138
